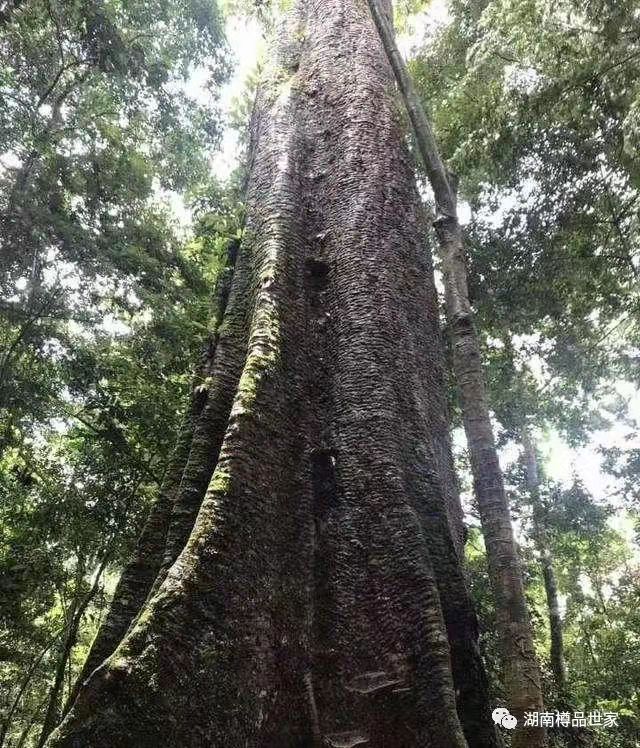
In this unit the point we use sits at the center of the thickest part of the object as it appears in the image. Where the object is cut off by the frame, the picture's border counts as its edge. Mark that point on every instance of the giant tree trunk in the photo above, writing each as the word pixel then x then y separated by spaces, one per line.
pixel 520 667
pixel 320 597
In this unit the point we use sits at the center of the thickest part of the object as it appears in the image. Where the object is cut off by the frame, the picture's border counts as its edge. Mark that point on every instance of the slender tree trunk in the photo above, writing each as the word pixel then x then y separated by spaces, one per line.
pixel 35 716
pixel 320 597
pixel 28 677
pixel 78 608
pixel 52 714
pixel 558 665
pixel 521 671
pixel 576 737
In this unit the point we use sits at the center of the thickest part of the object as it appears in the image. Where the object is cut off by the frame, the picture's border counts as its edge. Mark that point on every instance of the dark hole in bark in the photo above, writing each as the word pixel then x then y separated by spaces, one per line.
pixel 323 481
pixel 317 274
pixel 232 251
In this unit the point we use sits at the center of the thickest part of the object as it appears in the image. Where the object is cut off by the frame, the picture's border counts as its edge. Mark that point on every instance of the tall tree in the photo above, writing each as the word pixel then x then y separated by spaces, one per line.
pixel 558 664
pixel 320 595
pixel 520 667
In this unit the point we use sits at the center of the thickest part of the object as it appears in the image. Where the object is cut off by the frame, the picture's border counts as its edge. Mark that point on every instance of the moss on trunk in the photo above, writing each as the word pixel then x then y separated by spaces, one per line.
pixel 320 594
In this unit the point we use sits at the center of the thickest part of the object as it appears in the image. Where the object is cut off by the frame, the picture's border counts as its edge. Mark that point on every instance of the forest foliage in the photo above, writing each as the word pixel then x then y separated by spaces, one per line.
pixel 106 303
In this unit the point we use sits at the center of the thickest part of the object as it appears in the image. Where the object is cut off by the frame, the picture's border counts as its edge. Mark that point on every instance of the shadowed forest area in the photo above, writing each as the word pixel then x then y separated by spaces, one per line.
pixel 319 364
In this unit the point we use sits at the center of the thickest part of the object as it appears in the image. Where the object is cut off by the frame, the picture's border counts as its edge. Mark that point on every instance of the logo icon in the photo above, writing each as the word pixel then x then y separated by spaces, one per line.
pixel 502 717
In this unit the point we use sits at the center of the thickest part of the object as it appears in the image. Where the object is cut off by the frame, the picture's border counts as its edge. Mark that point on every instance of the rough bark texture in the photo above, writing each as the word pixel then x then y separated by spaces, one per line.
pixel 320 598
pixel 521 672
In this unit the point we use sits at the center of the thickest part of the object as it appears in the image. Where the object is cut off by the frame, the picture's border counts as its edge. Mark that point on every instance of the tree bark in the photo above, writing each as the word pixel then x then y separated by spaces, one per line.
pixel 220 373
pixel 521 671
pixel 320 596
